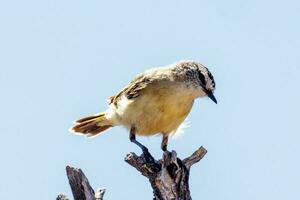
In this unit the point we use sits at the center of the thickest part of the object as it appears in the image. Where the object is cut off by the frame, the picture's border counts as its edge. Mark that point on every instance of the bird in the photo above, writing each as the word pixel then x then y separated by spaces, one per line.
pixel 156 101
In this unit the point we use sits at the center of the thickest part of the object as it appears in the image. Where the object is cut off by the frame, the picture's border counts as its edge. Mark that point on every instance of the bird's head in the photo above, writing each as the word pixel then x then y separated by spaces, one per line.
pixel 198 77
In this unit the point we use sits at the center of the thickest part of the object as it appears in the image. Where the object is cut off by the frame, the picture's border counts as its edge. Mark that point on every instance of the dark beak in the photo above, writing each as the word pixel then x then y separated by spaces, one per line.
pixel 211 96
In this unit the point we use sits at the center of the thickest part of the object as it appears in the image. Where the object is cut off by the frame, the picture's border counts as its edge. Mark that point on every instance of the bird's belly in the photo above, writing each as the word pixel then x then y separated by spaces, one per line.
pixel 155 113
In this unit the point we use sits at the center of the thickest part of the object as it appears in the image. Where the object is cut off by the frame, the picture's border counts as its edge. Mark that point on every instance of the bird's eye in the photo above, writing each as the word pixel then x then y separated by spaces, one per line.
pixel 201 78
pixel 189 73
pixel 212 79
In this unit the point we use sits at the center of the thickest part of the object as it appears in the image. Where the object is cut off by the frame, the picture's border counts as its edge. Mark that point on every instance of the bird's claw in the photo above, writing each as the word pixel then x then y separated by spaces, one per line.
pixel 148 157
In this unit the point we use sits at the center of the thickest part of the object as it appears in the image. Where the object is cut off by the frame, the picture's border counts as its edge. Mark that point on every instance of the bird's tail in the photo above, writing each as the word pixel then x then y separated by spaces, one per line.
pixel 92 125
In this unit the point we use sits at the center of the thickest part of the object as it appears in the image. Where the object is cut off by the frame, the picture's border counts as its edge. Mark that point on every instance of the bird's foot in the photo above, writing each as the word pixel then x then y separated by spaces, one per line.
pixel 148 157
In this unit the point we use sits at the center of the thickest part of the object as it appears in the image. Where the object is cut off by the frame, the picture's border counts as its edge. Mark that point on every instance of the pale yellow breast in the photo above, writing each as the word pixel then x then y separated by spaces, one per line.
pixel 160 108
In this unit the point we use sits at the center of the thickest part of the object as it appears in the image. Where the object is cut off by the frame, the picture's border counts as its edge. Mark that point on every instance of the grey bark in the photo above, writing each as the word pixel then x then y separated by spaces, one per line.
pixel 62 197
pixel 169 177
pixel 80 186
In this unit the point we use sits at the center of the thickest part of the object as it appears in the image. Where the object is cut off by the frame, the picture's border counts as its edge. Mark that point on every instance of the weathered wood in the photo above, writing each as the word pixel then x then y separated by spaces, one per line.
pixel 100 193
pixel 80 186
pixel 61 197
pixel 195 157
pixel 169 177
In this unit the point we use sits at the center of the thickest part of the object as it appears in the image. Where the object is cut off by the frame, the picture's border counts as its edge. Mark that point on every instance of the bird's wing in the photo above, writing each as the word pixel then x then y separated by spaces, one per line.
pixel 134 88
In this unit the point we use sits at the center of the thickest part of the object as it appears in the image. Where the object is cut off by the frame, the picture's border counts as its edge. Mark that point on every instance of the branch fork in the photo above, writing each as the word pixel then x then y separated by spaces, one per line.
pixel 169 177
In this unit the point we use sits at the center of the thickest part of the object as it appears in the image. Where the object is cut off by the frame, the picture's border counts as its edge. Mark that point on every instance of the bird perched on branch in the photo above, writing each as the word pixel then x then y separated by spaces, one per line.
pixel 155 102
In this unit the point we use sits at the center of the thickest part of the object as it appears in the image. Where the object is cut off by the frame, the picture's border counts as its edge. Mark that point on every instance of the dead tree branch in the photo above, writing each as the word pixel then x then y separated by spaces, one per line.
pixel 169 177
pixel 80 186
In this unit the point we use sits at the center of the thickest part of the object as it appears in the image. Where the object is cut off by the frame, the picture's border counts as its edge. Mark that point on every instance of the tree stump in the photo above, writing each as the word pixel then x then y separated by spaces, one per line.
pixel 169 177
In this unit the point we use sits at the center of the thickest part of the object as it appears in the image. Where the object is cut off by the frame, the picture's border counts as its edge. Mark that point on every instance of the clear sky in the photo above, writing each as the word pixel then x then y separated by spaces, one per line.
pixel 60 60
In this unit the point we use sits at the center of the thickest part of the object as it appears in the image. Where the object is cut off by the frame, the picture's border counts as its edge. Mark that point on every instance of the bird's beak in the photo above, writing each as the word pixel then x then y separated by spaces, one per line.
pixel 211 96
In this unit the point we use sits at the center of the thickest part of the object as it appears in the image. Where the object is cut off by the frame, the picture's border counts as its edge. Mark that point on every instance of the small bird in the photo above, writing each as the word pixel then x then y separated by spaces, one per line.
pixel 155 102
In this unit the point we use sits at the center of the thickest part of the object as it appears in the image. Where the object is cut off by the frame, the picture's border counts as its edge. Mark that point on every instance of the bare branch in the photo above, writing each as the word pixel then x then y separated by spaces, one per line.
pixel 148 167
pixel 62 197
pixel 169 177
pixel 80 186
pixel 100 193
pixel 195 157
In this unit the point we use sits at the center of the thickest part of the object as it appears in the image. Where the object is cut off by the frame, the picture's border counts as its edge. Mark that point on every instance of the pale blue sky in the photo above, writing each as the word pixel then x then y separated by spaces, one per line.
pixel 60 60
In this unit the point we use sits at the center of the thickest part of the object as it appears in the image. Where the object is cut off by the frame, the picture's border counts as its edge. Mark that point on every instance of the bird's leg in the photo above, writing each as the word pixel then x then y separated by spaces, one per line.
pixel 164 142
pixel 132 139
pixel 148 157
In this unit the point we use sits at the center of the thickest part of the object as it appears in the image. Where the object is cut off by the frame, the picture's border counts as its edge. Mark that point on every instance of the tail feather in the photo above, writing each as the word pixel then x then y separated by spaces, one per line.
pixel 92 125
pixel 89 117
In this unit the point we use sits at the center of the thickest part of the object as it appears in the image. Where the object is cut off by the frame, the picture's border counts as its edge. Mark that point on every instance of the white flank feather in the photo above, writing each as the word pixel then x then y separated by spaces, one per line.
pixel 180 131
